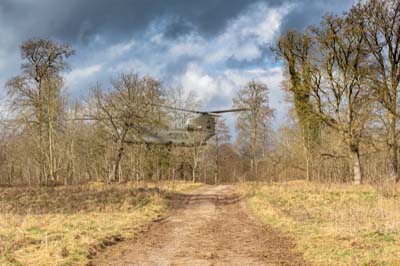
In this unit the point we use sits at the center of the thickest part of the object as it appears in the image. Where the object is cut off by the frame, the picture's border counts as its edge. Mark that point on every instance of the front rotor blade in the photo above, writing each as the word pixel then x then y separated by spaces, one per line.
pixel 229 110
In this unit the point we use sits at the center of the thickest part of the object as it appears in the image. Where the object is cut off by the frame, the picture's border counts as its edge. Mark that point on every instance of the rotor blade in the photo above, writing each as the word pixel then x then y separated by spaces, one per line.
pixel 204 112
pixel 83 119
pixel 214 115
pixel 182 109
pixel 16 120
pixel 229 110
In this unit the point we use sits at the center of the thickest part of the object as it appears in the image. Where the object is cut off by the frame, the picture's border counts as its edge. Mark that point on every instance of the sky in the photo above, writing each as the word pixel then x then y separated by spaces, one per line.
pixel 210 47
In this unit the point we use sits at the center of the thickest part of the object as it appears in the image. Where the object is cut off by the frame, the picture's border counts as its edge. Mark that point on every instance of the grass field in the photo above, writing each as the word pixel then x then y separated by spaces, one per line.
pixel 333 224
pixel 64 225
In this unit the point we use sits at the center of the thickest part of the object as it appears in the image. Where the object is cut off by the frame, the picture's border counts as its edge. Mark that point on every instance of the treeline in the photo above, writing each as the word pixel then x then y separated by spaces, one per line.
pixel 343 78
pixel 48 139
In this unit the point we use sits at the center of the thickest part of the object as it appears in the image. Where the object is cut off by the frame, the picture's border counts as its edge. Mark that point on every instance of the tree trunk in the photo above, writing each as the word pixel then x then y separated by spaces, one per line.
pixel 392 149
pixel 254 149
pixel 195 162
pixel 357 168
pixel 117 161
pixel 39 110
pixel 194 172
pixel 51 161
pixel 216 174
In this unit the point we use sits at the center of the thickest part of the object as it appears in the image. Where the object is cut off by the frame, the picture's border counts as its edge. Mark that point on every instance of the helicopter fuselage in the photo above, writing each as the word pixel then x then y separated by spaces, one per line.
pixel 196 132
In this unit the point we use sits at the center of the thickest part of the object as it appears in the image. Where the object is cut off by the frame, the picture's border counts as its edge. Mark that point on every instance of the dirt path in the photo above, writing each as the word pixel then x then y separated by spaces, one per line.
pixel 208 227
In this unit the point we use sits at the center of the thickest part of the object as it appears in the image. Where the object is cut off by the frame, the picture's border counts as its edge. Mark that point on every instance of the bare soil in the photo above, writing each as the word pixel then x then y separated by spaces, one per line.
pixel 209 227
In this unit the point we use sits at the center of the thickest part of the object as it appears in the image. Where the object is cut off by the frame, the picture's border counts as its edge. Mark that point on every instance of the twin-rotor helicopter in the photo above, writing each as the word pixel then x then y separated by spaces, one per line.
pixel 196 131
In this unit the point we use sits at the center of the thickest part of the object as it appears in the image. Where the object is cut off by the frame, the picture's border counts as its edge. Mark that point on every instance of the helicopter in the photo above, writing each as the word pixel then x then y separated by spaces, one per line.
pixel 196 131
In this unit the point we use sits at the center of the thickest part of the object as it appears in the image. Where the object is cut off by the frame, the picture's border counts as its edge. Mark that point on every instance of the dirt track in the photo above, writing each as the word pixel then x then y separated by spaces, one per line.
pixel 208 227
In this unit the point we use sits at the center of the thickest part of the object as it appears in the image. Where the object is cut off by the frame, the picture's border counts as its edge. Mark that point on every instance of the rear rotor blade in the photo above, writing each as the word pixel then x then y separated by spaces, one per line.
pixel 204 112
pixel 182 109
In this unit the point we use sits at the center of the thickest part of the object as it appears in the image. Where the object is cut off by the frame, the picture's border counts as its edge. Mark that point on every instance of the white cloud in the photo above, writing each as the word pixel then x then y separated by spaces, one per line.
pixel 120 49
pixel 247 34
pixel 137 66
pixel 189 45
pixel 82 73
pixel 195 79
pixel 80 78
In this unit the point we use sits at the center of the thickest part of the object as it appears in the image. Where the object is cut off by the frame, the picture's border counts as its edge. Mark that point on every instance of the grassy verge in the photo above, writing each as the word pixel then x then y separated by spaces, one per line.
pixel 58 226
pixel 332 224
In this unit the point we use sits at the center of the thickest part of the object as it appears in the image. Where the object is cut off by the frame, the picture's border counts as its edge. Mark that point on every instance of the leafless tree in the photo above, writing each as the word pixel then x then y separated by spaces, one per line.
pixel 36 96
pixel 380 24
pixel 343 96
pixel 128 110
pixel 222 136
pixel 253 96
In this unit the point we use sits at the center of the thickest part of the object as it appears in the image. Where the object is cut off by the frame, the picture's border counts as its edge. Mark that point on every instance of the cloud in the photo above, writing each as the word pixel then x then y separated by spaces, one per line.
pixel 243 39
pixel 205 86
pixel 80 78
pixel 209 75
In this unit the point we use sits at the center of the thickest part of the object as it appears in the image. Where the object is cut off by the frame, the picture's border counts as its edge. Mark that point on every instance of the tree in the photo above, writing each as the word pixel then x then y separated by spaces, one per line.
pixel 196 150
pixel 128 110
pixel 296 50
pixel 222 136
pixel 380 24
pixel 342 97
pixel 178 99
pixel 253 96
pixel 36 96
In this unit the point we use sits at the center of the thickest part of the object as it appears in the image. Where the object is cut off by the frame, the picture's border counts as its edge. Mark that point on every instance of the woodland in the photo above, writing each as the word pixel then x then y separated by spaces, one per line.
pixel 341 77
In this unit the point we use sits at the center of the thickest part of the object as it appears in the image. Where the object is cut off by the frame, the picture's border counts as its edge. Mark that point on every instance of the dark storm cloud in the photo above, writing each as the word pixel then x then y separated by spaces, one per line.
pixel 80 20
pixel 310 12
pixel 178 27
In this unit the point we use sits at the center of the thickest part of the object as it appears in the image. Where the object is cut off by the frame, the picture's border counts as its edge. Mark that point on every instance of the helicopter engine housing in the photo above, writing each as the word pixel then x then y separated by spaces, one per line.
pixel 204 123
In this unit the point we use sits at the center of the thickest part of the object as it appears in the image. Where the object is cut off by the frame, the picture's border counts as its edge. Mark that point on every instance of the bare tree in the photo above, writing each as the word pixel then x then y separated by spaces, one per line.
pixel 196 150
pixel 35 96
pixel 222 136
pixel 342 97
pixel 178 98
pixel 380 22
pixel 253 96
pixel 128 110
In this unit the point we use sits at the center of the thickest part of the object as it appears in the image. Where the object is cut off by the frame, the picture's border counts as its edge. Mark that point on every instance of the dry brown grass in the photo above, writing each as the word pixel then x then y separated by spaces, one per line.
pixel 59 226
pixel 333 224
